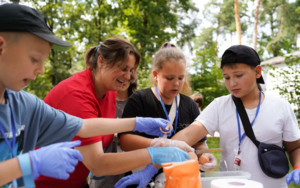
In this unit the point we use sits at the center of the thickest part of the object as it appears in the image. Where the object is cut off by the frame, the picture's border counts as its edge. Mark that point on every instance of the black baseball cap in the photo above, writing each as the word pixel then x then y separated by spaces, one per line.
pixel 21 18
pixel 241 54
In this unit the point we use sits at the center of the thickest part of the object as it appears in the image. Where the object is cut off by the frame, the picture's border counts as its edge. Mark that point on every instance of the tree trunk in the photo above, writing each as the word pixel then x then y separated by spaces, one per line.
pixel 237 21
pixel 255 25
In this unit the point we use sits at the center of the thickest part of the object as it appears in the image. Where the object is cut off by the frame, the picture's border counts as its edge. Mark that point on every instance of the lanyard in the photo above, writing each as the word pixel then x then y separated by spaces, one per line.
pixel 238 121
pixel 163 105
pixel 10 146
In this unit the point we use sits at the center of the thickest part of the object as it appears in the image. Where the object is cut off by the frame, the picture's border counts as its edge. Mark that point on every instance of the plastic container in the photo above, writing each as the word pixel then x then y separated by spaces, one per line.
pixel 207 177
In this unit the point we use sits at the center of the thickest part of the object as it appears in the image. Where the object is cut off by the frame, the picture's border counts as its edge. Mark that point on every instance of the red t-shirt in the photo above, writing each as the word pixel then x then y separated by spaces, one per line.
pixel 77 96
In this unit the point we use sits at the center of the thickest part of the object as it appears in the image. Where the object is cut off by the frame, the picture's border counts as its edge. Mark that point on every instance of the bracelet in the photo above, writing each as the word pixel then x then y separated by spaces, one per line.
pixel 25 164
pixel 297 167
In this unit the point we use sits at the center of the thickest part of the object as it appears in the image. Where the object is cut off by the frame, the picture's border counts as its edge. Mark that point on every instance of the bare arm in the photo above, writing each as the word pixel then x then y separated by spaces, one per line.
pixel 9 170
pixel 200 145
pixel 129 142
pixel 104 126
pixel 191 134
pixel 100 163
pixel 293 149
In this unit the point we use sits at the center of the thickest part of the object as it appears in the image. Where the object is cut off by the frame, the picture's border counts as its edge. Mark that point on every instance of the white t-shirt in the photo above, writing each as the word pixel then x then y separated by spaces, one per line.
pixel 275 123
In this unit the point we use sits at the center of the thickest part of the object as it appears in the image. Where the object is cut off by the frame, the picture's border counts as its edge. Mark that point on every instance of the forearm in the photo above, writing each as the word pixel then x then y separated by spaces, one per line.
pixel 294 157
pixel 105 126
pixel 9 170
pixel 117 163
pixel 200 145
pixel 191 134
pixel 129 142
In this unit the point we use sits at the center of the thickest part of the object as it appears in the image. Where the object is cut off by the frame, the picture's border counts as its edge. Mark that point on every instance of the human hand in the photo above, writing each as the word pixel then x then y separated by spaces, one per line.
pixel 167 154
pixel 293 176
pixel 56 160
pixel 151 126
pixel 164 142
pixel 142 178
pixel 211 165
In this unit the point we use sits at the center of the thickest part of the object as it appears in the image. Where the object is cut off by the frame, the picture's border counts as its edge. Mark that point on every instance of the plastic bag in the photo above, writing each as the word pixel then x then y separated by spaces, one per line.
pixel 182 174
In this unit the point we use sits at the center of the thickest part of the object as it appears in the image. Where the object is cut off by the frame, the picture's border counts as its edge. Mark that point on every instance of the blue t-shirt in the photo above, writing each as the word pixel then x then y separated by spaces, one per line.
pixel 37 124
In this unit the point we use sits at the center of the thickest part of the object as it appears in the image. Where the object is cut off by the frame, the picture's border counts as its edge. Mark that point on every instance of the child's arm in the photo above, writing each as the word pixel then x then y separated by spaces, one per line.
pixel 9 170
pixel 104 126
pixel 293 149
pixel 191 134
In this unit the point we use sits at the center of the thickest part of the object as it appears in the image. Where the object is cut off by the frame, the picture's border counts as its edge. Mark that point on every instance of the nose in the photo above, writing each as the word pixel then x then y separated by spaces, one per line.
pixel 232 82
pixel 40 69
pixel 127 75
pixel 176 83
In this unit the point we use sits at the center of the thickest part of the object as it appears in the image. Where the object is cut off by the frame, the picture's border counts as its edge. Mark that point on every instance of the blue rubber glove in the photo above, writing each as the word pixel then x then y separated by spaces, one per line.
pixel 167 154
pixel 56 160
pixel 151 126
pixel 293 176
pixel 142 178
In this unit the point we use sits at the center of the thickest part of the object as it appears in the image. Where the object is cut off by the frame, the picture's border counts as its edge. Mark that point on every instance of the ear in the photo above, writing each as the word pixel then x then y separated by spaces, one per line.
pixel 100 61
pixel 154 73
pixel 3 44
pixel 258 70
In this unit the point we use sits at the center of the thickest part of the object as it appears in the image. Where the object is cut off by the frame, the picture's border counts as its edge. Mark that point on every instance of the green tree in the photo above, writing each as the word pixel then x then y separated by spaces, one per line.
pixel 207 79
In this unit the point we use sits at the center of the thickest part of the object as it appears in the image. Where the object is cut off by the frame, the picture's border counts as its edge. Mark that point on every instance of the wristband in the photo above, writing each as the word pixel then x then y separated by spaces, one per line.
pixel 25 164
pixel 297 167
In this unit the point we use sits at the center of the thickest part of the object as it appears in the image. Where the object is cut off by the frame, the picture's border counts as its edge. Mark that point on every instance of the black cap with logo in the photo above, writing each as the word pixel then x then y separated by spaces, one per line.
pixel 21 18
pixel 241 54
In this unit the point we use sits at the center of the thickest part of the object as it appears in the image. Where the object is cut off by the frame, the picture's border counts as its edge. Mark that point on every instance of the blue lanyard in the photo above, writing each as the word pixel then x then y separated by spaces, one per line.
pixel 11 146
pixel 238 121
pixel 163 105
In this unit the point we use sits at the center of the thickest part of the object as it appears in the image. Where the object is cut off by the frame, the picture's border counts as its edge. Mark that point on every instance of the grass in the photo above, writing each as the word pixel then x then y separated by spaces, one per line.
pixel 213 142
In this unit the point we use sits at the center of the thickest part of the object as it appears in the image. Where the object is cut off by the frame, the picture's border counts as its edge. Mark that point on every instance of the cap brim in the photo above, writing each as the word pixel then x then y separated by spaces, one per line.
pixel 57 43
pixel 260 80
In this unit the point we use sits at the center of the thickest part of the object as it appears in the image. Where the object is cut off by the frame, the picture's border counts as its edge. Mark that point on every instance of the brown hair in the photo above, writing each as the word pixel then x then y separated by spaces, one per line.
pixel 166 52
pixel 113 50
pixel 198 98
pixel 133 85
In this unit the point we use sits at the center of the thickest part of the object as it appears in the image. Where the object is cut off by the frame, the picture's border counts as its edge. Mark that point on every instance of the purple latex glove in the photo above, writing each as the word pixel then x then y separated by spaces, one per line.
pixel 293 176
pixel 151 126
pixel 142 178
pixel 56 160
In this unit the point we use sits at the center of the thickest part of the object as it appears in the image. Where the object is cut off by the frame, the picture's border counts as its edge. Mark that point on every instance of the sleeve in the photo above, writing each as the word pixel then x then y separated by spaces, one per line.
pixel 194 114
pixel 291 130
pixel 209 117
pixel 83 106
pixel 54 125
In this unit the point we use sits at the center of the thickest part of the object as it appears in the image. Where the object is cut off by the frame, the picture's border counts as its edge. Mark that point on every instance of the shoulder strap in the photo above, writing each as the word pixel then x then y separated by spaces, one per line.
pixel 245 120
pixel 172 112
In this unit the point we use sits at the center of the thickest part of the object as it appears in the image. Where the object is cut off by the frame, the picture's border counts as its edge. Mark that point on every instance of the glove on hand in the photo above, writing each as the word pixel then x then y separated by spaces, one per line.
pixel 56 160
pixel 151 126
pixel 211 165
pixel 163 142
pixel 167 154
pixel 293 176
pixel 142 178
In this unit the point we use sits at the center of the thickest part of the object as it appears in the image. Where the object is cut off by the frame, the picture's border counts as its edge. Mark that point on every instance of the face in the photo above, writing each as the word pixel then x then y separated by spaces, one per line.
pixel 22 60
pixel 241 80
pixel 170 78
pixel 116 77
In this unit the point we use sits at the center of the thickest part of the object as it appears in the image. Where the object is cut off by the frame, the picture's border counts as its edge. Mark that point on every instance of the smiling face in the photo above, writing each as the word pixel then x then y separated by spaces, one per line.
pixel 21 60
pixel 240 80
pixel 170 79
pixel 115 77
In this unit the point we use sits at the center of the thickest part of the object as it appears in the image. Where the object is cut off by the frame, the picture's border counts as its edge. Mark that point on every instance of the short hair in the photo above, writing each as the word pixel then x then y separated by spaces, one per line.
pixel 198 98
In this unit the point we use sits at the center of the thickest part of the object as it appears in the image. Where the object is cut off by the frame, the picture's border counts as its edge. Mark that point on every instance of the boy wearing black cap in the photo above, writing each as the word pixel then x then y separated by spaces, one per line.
pixel 272 118
pixel 26 121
